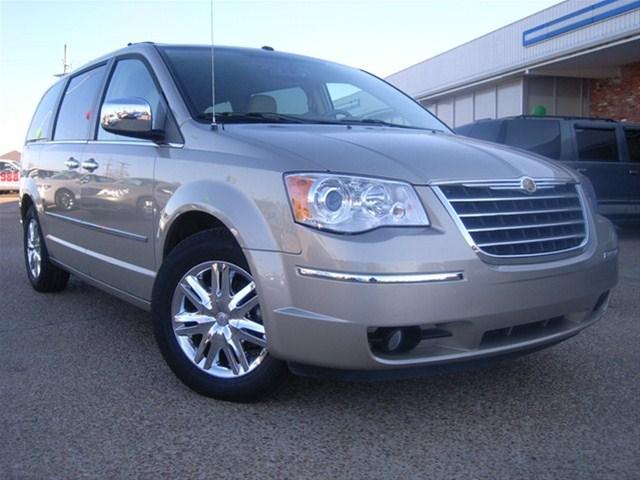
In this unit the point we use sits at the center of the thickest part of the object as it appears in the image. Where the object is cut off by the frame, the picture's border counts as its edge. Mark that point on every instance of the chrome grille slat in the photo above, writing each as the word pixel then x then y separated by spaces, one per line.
pixel 509 199
pixel 532 240
pixel 535 225
pixel 500 219
pixel 518 212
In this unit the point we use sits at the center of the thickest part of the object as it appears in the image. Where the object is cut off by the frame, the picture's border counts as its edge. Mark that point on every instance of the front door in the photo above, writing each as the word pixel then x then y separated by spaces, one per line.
pixel 119 191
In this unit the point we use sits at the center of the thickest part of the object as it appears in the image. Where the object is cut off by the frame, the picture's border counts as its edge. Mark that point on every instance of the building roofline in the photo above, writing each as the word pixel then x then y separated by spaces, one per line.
pixel 524 67
pixel 476 39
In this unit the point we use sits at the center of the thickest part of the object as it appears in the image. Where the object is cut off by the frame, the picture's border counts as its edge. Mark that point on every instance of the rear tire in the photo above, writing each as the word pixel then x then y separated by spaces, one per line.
pixel 42 273
pixel 210 367
pixel 65 199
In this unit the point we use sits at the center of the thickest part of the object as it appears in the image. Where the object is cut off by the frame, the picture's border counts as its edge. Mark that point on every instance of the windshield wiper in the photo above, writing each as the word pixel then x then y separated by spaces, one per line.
pixel 382 123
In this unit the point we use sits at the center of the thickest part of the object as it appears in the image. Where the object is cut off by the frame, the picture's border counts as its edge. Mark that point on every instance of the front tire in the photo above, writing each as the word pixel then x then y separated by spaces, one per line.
pixel 207 321
pixel 42 273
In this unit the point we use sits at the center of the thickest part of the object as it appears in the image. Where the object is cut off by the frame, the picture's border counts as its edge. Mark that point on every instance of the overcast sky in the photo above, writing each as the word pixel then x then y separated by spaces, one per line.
pixel 381 36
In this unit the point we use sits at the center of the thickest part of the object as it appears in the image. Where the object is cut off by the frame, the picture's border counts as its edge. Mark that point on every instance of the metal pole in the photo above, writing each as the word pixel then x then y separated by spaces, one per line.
pixel 213 78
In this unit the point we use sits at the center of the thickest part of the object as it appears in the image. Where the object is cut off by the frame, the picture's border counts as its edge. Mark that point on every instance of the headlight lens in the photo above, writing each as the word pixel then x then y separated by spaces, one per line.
pixel 353 204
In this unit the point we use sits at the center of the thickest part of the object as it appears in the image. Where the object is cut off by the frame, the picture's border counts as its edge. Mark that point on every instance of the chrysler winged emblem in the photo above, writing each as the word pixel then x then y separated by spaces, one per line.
pixel 528 185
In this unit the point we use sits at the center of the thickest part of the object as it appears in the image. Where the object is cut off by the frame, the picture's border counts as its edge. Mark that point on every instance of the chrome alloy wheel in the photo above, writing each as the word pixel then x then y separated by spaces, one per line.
pixel 216 319
pixel 34 248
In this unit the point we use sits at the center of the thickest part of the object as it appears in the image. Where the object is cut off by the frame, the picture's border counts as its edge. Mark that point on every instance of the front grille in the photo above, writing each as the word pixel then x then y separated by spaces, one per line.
pixel 501 219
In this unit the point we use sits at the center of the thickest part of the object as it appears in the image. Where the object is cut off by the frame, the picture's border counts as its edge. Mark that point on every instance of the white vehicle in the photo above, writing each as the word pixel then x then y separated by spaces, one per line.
pixel 9 176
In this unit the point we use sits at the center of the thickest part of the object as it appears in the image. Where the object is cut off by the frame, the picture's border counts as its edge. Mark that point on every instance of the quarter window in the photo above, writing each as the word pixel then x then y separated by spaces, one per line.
pixel 538 136
pixel 78 106
pixel 633 144
pixel 597 144
pixel 131 79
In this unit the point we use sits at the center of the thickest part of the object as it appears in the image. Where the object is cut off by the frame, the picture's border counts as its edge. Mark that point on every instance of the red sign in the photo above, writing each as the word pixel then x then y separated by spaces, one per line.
pixel 9 176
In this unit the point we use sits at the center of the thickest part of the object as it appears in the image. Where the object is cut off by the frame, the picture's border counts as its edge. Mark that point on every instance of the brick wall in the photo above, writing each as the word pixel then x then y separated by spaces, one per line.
pixel 619 97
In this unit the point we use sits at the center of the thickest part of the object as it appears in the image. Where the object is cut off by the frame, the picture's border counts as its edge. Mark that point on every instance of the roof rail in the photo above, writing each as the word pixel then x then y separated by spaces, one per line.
pixel 136 43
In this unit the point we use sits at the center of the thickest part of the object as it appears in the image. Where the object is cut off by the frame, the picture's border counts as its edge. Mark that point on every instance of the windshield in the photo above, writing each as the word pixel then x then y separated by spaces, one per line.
pixel 270 87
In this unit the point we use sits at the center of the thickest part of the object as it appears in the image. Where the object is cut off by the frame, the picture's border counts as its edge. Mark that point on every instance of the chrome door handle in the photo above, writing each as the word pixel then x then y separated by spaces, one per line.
pixel 633 171
pixel 72 163
pixel 582 170
pixel 90 165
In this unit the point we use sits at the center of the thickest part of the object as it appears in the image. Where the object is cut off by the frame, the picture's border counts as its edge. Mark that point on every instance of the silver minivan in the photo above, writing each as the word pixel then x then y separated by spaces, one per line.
pixel 311 218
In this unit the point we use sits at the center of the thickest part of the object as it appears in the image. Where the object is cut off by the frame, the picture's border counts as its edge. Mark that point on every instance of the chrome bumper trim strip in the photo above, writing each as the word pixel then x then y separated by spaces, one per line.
pixel 381 278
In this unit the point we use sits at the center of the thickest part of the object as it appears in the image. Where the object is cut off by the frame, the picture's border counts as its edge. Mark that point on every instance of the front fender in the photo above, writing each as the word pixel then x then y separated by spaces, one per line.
pixel 29 188
pixel 256 224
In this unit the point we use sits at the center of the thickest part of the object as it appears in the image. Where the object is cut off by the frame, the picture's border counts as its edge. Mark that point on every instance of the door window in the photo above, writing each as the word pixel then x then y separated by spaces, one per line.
pixel 131 78
pixel 40 128
pixel 538 136
pixel 633 144
pixel 78 105
pixel 597 144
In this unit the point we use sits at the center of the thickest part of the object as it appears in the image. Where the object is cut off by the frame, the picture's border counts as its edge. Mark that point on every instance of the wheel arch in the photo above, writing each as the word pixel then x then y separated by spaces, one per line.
pixel 26 202
pixel 190 223
pixel 207 204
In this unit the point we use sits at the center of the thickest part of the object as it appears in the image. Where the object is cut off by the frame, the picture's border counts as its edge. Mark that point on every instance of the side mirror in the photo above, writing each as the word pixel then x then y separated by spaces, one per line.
pixel 130 117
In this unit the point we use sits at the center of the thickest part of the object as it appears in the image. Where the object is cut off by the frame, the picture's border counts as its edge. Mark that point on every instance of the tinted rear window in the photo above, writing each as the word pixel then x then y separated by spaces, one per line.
pixel 538 136
pixel 78 104
pixel 597 144
pixel 483 130
pixel 40 128
pixel 633 144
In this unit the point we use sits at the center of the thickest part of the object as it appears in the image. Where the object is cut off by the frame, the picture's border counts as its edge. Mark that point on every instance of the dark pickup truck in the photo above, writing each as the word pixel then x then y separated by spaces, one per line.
pixel 606 151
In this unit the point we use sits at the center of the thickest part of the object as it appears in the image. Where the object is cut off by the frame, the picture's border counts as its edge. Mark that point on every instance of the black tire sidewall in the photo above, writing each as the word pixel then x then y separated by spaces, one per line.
pixel 58 199
pixel 51 278
pixel 204 247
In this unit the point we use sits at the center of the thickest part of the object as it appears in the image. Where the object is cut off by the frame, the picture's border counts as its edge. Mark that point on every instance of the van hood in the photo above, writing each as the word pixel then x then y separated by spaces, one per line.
pixel 416 156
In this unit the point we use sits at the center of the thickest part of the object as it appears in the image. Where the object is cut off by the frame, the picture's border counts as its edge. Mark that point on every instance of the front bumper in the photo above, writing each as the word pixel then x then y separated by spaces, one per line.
pixel 490 310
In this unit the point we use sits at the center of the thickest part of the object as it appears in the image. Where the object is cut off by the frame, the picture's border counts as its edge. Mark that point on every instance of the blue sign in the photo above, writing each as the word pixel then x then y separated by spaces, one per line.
pixel 597 12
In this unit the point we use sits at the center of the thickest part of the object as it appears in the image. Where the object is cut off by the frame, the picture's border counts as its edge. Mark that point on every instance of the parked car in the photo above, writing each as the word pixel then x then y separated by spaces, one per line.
pixel 286 232
pixel 9 176
pixel 607 152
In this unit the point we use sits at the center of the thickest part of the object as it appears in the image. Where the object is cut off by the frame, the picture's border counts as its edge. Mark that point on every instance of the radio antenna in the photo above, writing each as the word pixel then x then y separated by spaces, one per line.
pixel 214 125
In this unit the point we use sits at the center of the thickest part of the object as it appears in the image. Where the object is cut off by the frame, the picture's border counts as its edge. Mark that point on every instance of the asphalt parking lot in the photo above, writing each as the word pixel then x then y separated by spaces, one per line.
pixel 84 393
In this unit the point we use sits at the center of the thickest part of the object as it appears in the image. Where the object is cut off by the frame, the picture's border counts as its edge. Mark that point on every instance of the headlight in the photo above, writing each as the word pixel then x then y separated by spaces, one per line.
pixel 352 204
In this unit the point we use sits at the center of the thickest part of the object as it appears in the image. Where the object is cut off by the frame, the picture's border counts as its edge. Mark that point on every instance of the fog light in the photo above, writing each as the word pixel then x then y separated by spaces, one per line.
pixel 396 340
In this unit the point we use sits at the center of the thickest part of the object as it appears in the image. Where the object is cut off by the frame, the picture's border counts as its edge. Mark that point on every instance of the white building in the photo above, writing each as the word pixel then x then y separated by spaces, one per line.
pixel 576 58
